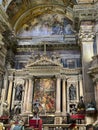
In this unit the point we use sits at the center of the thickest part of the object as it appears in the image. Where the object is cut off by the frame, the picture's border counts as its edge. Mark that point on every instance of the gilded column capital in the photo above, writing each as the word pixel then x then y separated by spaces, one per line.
pixel 31 78
pixel 11 78
pixel 86 37
pixel 19 81
pixel 58 76
pixel 86 33
pixel 63 77
pixel 80 77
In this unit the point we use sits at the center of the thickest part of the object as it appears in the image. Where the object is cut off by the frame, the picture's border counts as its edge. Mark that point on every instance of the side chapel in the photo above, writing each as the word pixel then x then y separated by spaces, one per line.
pixel 48 53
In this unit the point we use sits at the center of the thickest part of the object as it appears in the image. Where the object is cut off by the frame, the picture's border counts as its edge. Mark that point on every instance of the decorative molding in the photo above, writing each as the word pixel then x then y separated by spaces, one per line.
pixel 43 60
pixel 86 36
pixel 18 81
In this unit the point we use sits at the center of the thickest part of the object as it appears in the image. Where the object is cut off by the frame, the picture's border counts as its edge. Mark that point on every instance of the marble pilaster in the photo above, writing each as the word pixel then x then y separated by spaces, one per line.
pixel 96 34
pixel 25 95
pixel 86 38
pixel 64 96
pixel 13 96
pixel 96 94
pixel 58 95
pixel 5 87
pixel 80 85
pixel 30 96
pixel 97 43
pixel 10 91
pixel 2 100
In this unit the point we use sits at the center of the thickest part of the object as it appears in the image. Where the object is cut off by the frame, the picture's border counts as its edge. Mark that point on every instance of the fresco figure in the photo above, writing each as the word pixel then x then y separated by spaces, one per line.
pixel 47 26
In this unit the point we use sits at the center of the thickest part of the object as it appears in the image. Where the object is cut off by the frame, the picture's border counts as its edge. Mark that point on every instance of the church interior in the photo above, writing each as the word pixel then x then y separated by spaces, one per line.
pixel 49 60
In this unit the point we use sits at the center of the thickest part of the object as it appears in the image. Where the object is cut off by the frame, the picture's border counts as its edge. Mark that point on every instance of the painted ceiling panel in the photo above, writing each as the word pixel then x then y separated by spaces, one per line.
pixel 21 11
pixel 46 25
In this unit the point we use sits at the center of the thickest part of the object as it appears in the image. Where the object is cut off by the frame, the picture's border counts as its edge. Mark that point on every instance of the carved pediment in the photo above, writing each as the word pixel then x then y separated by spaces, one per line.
pixel 43 61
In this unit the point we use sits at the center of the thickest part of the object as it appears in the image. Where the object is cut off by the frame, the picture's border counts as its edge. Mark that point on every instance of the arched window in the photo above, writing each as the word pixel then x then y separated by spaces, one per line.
pixel 72 92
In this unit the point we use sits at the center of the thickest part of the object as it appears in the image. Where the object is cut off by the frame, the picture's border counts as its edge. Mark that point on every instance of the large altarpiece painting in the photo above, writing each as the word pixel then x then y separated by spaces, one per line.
pixel 44 92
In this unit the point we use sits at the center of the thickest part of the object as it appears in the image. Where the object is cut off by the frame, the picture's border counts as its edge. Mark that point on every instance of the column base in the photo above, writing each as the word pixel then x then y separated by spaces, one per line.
pixel 63 113
pixel 27 113
pixel 57 113
pixel 58 120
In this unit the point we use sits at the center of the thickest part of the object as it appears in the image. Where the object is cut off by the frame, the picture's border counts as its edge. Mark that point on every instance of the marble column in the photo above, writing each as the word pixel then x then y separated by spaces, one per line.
pixel 25 96
pixel 30 96
pixel 58 95
pixel 64 96
pixel 80 85
pixel 13 96
pixel 86 38
pixel 5 87
pixel 1 104
pixel 96 34
pixel 96 94
pixel 10 91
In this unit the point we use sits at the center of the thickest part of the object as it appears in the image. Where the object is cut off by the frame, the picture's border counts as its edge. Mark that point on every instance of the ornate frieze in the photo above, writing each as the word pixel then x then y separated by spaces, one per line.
pixel 66 39
pixel 70 71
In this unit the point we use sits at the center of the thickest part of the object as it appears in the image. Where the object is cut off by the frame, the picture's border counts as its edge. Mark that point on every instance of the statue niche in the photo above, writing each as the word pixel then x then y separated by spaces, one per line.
pixel 72 92
pixel 18 92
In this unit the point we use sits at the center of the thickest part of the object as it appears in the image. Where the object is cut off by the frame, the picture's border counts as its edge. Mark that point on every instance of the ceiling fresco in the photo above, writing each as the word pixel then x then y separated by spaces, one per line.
pixel 14 7
pixel 6 3
pixel 22 11
pixel 46 25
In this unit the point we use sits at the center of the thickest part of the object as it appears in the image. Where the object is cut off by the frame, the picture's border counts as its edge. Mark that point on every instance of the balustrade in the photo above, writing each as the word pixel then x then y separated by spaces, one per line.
pixel 63 127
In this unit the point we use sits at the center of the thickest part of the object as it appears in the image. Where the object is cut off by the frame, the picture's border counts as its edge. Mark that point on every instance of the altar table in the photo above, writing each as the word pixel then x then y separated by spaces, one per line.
pixel 36 123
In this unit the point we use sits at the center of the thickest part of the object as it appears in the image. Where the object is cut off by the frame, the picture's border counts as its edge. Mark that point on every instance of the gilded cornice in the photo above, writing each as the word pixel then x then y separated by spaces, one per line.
pixel 29 3
pixel 44 67
pixel 43 61
pixel 51 40
pixel 45 71
pixel 17 73
pixel 86 11
pixel 68 71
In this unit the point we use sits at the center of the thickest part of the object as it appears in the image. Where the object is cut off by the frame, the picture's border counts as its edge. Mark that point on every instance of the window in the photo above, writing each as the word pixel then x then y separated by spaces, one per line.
pixel 71 63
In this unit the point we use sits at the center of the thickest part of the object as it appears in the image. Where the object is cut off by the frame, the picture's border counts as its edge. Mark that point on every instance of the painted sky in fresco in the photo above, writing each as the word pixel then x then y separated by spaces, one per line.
pixel 46 25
